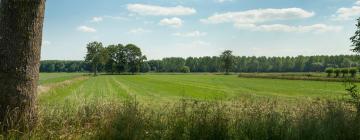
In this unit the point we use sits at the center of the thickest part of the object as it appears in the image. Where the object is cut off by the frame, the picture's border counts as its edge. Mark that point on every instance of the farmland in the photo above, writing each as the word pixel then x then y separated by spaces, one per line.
pixel 189 106
pixel 195 86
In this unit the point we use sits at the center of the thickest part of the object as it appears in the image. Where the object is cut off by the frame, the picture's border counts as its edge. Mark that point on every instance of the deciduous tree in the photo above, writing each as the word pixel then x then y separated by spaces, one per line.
pixel 21 24
pixel 228 60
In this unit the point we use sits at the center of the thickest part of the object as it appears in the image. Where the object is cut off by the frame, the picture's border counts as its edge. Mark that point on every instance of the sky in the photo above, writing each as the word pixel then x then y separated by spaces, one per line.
pixel 183 28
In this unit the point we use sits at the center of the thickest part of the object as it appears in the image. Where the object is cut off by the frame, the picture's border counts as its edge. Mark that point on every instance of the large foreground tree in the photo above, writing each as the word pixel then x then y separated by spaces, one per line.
pixel 21 24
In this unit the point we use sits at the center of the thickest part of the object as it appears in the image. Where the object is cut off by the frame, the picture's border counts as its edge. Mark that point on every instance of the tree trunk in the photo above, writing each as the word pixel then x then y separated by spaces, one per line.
pixel 95 70
pixel 21 24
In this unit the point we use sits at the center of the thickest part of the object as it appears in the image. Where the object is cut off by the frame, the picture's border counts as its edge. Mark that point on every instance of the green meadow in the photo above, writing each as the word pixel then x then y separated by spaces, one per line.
pixel 193 86
pixel 189 106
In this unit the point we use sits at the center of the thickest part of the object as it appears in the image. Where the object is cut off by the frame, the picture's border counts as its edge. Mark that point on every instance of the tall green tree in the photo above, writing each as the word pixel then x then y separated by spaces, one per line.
pixel 356 38
pixel 228 60
pixel 134 57
pixel 21 25
pixel 96 55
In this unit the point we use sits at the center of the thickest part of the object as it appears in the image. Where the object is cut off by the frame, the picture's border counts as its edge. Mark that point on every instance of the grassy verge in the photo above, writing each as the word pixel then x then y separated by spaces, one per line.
pixel 295 76
pixel 191 119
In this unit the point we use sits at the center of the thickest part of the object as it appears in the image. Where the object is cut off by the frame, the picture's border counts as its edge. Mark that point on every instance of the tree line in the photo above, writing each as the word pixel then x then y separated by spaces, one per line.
pixel 254 64
pixel 117 63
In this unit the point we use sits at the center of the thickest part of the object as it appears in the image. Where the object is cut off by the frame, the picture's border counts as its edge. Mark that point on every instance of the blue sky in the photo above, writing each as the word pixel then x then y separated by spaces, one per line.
pixel 163 28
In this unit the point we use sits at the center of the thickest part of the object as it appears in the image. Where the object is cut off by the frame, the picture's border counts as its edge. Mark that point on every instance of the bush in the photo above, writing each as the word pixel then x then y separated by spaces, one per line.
pixel 337 72
pixel 353 71
pixel 185 69
pixel 329 71
pixel 344 71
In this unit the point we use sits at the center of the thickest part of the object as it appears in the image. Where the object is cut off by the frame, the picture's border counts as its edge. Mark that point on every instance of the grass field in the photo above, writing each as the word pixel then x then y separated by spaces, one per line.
pixel 196 86
pixel 189 106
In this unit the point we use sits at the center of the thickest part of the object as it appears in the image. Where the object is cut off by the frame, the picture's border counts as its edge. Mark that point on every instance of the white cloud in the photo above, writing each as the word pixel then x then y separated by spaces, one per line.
pixel 191 34
pixel 116 17
pixel 316 28
pixel 357 2
pixel 172 22
pixel 250 20
pixel 222 1
pixel 96 19
pixel 348 13
pixel 86 29
pixel 258 16
pixel 139 31
pixel 155 10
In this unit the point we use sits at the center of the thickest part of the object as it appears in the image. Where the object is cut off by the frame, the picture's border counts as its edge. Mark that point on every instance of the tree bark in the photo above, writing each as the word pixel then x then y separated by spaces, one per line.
pixel 21 24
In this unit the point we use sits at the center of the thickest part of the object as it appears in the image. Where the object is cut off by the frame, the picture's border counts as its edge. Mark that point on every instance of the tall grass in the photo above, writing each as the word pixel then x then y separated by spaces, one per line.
pixel 191 119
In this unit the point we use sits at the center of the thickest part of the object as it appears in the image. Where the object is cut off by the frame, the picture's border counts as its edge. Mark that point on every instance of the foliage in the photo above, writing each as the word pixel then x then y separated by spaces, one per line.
pixel 212 64
pixel 227 60
pixel 353 72
pixel 329 71
pixel 255 64
pixel 356 38
pixel 185 69
pixel 117 58
pixel 337 72
pixel 96 55
pixel 344 71
pixel 353 90
pixel 64 66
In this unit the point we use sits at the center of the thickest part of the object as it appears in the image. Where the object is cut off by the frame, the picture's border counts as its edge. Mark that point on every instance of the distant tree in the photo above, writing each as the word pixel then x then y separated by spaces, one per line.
pixel 317 66
pixel 356 38
pixel 134 57
pixel 185 69
pixel 344 71
pixel 299 64
pixel 96 55
pixel 145 67
pixel 329 71
pixel 227 59
pixel 51 68
pixel 111 62
pixel 353 72
pixel 337 72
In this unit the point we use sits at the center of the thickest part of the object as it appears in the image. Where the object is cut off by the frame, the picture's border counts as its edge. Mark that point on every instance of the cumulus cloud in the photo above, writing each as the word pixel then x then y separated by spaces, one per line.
pixel 86 29
pixel 154 10
pixel 172 22
pixel 316 28
pixel 258 16
pixel 138 31
pixel 97 19
pixel 348 13
pixel 191 34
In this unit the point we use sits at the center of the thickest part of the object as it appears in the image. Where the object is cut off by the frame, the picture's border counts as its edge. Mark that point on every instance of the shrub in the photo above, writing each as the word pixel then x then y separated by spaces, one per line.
pixel 353 71
pixel 185 69
pixel 329 71
pixel 344 71
pixel 337 72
